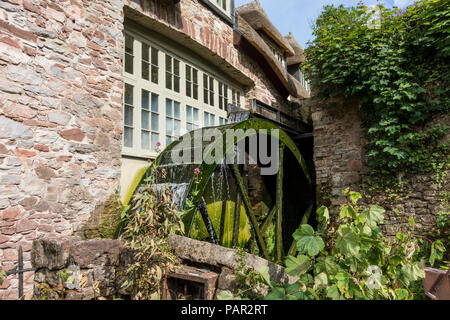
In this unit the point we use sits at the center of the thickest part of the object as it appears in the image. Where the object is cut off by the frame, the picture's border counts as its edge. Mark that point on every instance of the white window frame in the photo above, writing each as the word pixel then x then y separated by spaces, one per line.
pixel 219 5
pixel 136 80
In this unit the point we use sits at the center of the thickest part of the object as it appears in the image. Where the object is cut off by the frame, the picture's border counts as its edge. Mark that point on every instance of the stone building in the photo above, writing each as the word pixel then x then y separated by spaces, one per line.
pixel 90 88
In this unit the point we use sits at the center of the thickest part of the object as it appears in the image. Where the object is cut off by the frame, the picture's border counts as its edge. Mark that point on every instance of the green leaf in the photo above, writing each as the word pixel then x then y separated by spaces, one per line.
pixel 343 279
pixel 327 265
pixel 297 266
pixel 307 242
pixel 277 293
pixel 437 252
pixel 348 241
pixel 321 280
pixel 333 293
pixel 412 272
pixel 225 295
pixel 264 271
pixel 355 197
pixel 374 216
pixel 347 212
pixel 323 215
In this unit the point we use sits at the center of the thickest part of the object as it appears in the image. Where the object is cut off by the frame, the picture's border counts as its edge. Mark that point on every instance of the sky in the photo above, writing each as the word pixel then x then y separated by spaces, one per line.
pixel 297 16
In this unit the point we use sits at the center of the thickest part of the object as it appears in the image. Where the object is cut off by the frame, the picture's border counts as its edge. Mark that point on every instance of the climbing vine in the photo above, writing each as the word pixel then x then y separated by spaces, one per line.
pixel 396 62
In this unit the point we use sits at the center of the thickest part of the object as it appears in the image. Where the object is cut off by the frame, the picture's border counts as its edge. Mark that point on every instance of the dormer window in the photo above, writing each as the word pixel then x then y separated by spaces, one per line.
pixel 222 7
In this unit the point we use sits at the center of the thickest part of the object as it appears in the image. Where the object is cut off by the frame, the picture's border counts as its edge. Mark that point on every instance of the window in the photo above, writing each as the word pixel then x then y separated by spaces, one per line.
pixel 191 82
pixel 192 118
pixel 149 120
pixel 167 93
pixel 149 63
pixel 223 96
pixel 172 74
pixel 222 6
pixel 222 121
pixel 173 121
pixel 209 120
pixel 236 95
pixel 128 116
pixel 129 54
pixel 208 89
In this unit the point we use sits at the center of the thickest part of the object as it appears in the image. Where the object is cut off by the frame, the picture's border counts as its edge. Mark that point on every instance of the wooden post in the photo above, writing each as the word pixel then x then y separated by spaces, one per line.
pixel 237 219
pixel 249 211
pixel 279 231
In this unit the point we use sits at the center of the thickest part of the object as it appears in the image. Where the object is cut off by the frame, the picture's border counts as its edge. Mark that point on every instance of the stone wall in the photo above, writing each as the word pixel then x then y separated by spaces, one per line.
pixel 60 119
pixel 340 161
pixel 73 269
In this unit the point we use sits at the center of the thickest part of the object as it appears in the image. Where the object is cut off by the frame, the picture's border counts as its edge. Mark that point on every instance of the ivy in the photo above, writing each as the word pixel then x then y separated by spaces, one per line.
pixel 396 62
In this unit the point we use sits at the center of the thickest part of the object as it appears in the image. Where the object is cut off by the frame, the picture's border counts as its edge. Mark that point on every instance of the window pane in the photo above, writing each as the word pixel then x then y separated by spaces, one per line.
pixel 145 100
pixel 189 127
pixel 168 141
pixel 188 89
pixel 206 119
pixel 145 140
pixel 145 120
pixel 128 137
pixel 212 120
pixel 195 92
pixel 128 94
pixel 196 116
pixel 168 80
pixel 145 52
pixel 176 85
pixel 177 110
pixel 188 73
pixel 189 114
pixel 145 70
pixel 155 103
pixel 177 128
pixel 155 140
pixel 195 76
pixel 155 57
pixel 169 126
pixel 176 67
pixel 155 122
pixel 128 116
pixel 129 51
pixel 168 63
pixel 168 107
pixel 154 74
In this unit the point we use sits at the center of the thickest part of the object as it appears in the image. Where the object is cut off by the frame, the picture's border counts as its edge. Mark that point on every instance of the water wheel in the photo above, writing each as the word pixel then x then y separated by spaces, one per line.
pixel 216 198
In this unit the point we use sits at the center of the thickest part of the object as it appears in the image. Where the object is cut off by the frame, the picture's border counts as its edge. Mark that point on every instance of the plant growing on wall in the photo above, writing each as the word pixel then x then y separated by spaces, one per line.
pixel 351 259
pixel 396 62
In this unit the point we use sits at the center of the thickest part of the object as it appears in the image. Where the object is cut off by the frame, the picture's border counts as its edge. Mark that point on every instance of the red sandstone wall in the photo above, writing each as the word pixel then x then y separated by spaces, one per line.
pixel 60 119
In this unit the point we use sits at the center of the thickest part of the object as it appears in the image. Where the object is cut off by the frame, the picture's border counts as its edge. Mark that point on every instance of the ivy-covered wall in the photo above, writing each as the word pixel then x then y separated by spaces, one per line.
pixel 340 154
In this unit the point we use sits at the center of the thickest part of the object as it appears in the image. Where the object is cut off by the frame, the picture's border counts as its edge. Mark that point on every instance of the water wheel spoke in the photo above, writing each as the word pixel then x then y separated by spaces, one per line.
pixel 208 223
pixel 279 205
pixel 248 209
pixel 269 219
pixel 237 219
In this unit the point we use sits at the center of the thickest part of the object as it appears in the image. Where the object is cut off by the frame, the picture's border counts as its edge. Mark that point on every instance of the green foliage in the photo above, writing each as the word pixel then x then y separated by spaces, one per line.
pixel 356 260
pixel 396 62
pixel 149 221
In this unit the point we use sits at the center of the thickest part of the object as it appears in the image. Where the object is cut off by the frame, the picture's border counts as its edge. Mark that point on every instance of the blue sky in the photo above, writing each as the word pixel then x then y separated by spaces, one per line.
pixel 297 16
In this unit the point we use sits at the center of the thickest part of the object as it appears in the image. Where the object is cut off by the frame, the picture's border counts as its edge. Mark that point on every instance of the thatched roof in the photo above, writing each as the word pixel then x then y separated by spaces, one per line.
pixel 263 48
pixel 299 56
pixel 257 18
pixel 301 91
